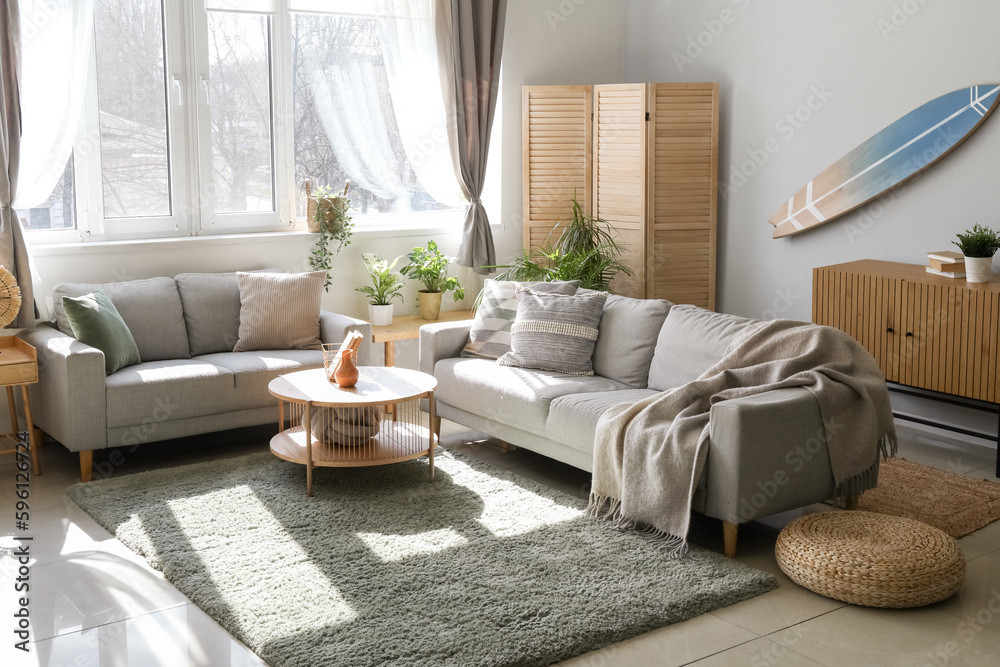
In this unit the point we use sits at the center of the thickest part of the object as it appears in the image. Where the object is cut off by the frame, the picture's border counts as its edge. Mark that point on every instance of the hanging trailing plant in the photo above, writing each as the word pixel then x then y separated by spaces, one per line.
pixel 335 229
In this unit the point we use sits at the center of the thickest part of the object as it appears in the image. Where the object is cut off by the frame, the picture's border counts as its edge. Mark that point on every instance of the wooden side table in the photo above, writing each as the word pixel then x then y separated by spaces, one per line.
pixel 19 368
pixel 407 327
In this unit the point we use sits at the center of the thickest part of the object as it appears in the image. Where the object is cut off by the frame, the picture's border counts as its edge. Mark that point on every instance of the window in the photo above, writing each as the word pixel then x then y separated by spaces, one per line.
pixel 239 83
pixel 132 108
pixel 344 122
pixel 210 116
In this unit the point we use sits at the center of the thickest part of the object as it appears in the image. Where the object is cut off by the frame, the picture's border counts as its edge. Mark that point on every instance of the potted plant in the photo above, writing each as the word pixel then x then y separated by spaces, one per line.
pixel 386 286
pixel 331 221
pixel 585 251
pixel 430 266
pixel 978 244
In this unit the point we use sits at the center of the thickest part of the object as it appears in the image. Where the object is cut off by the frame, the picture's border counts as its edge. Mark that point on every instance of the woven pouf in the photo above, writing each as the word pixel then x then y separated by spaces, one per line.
pixel 870 559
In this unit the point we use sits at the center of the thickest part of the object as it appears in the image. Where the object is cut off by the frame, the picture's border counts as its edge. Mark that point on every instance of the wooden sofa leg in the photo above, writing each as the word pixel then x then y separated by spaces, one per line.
pixel 851 502
pixel 729 532
pixel 86 464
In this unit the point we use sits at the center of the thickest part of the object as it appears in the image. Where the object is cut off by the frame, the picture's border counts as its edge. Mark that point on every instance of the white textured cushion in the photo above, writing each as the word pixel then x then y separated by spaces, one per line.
pixel 279 311
pixel 627 337
pixel 691 341
pixel 489 337
pixel 555 332
pixel 151 309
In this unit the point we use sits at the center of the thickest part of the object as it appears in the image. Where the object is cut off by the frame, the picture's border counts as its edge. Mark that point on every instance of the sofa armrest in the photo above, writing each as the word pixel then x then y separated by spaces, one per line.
pixel 442 340
pixel 69 402
pixel 767 454
pixel 334 327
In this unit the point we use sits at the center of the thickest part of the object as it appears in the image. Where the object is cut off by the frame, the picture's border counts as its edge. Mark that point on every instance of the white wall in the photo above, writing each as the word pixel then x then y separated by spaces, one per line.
pixel 862 64
pixel 550 42
pixel 770 58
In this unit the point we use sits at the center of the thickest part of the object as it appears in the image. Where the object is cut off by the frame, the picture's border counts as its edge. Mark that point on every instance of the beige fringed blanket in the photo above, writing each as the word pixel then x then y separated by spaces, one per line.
pixel 648 457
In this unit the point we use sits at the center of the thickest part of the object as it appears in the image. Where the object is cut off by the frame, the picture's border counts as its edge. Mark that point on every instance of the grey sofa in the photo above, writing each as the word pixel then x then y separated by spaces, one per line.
pixel 767 452
pixel 189 381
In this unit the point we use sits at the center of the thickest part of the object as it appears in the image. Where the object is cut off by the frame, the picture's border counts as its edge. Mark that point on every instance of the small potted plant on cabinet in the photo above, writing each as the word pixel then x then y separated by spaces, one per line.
pixel 430 266
pixel 386 286
pixel 978 244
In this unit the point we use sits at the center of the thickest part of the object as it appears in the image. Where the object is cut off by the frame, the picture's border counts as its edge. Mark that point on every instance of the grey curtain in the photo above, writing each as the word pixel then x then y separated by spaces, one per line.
pixel 13 252
pixel 477 42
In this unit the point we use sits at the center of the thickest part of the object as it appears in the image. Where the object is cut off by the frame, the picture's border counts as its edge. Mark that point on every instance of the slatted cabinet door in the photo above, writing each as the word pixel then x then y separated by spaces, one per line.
pixel 619 176
pixel 683 141
pixel 924 331
pixel 557 164
pixel 866 307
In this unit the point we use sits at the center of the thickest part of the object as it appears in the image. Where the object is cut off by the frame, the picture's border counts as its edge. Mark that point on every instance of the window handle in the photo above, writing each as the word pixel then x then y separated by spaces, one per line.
pixel 204 89
pixel 179 91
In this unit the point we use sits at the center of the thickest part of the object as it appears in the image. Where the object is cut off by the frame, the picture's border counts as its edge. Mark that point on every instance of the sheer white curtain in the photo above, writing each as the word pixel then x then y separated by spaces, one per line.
pixel 56 36
pixel 413 57
pixel 350 111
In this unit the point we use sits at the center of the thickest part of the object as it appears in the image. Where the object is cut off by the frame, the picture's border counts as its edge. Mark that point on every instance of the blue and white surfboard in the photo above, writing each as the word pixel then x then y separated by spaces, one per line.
pixel 897 153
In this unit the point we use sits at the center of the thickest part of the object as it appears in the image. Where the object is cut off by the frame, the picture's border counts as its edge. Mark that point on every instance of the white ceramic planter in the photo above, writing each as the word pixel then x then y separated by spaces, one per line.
pixel 978 269
pixel 380 316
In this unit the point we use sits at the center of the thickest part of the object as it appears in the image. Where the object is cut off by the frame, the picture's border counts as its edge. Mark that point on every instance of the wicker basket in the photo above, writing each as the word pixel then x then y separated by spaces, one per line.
pixel 870 559
pixel 312 203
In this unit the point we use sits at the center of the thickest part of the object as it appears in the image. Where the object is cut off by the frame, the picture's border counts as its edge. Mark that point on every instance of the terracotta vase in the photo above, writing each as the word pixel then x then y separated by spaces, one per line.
pixel 430 304
pixel 345 373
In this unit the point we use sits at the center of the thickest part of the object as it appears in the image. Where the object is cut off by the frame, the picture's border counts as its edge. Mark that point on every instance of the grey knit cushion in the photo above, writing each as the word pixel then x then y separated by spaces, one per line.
pixel 555 332
pixel 489 337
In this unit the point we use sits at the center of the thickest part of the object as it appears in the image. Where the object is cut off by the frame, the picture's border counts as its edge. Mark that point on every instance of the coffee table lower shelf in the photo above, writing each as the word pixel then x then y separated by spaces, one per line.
pixel 396 442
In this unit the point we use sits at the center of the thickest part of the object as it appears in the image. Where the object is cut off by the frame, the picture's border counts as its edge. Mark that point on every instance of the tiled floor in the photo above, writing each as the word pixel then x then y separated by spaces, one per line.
pixel 95 603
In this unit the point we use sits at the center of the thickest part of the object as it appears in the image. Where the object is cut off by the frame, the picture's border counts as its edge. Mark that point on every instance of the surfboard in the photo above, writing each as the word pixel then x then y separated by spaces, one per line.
pixel 887 160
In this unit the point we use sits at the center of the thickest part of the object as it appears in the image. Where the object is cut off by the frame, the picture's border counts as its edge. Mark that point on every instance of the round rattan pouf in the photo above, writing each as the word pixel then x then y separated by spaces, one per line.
pixel 870 559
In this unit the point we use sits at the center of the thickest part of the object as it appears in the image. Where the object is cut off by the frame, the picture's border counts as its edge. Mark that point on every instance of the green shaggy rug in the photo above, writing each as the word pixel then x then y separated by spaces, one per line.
pixel 482 567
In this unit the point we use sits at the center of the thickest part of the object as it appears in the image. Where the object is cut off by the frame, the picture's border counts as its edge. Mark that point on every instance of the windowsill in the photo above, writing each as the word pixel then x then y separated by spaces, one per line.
pixel 438 225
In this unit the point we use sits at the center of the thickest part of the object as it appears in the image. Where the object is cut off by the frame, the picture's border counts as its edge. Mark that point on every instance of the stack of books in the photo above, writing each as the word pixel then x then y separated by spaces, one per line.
pixel 946 263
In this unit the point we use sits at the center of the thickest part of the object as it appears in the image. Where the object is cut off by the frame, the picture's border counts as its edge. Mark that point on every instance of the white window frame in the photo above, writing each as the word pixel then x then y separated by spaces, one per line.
pixel 91 220
pixel 229 223
pixel 186 65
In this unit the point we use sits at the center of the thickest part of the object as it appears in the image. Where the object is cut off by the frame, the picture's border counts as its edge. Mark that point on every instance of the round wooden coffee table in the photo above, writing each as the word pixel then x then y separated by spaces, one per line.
pixel 348 415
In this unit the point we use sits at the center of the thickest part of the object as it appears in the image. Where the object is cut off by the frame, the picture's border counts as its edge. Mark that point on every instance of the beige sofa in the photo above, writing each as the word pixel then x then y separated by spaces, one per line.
pixel 189 382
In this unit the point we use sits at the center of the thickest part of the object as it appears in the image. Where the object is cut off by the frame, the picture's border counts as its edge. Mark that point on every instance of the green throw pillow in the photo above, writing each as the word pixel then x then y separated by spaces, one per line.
pixel 96 322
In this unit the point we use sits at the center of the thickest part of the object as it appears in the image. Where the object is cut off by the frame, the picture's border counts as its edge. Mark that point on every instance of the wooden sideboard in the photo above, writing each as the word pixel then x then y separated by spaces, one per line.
pixel 925 331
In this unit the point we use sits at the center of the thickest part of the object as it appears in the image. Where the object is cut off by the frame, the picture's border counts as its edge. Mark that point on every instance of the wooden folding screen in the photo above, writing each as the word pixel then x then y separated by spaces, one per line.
pixel 649 162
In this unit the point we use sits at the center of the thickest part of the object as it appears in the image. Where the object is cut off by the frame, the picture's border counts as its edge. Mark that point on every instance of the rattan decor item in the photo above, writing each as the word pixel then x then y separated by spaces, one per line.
pixel 10 297
pixel 869 559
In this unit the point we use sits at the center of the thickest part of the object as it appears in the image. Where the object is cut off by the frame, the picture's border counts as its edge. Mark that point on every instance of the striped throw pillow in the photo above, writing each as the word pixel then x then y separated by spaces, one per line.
pixel 555 332
pixel 489 336
pixel 279 311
